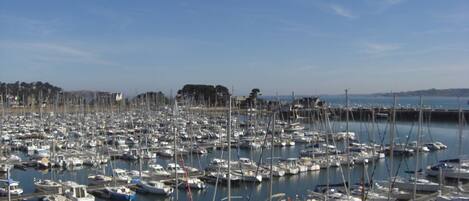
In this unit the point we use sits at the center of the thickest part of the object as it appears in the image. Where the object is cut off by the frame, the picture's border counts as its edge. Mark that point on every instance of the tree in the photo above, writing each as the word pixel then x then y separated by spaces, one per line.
pixel 254 93
pixel 212 95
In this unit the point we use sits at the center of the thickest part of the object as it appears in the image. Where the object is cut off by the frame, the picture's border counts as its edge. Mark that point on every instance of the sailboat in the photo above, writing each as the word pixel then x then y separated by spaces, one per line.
pixel 459 172
pixel 99 179
pixel 173 167
pixel 416 184
pixel 48 185
pixel 154 187
pixel 157 170
pixel 421 185
pixel 195 183
pixel 120 193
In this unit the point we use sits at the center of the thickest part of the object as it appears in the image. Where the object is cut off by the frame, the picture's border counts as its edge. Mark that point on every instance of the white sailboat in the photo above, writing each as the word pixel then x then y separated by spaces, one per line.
pixel 158 170
pixel 48 186
pixel 459 172
pixel 154 187
pixel 421 185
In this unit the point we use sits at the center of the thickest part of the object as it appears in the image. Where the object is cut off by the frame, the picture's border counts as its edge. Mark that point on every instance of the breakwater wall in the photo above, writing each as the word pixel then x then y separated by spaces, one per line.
pixel 365 114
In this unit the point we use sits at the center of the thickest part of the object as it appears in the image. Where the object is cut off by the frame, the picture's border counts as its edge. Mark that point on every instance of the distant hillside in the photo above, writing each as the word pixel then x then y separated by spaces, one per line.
pixel 431 92
pixel 22 93
pixel 28 93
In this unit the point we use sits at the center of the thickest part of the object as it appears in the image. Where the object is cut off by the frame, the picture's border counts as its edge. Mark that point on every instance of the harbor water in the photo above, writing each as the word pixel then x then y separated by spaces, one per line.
pixel 296 185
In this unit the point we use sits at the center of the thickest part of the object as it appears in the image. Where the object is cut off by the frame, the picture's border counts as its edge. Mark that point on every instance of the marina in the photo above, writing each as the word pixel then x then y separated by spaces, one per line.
pixel 298 100
pixel 135 149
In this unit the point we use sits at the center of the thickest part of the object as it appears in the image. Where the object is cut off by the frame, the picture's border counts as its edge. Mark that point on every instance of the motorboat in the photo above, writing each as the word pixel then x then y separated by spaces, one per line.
pixel 14 188
pixel 99 179
pixel 154 187
pixel 76 192
pixel 121 175
pixel 195 183
pixel 120 193
pixel 157 170
pixel 248 176
pixel 48 186
pixel 173 167
pixel 447 171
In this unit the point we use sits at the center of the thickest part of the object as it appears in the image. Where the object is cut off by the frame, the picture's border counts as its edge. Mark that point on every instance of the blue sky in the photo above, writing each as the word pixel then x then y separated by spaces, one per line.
pixel 306 46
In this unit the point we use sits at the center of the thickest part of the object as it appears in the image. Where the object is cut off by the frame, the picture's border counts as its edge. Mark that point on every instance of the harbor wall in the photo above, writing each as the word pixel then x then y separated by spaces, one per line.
pixel 402 114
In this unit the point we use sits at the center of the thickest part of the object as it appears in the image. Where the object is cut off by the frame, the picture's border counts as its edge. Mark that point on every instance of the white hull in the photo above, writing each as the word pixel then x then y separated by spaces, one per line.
pixel 159 190
pixel 423 187
pixel 449 173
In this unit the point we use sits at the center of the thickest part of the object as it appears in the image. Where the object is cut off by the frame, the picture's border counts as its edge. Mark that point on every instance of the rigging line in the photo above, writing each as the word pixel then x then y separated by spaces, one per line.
pixel 401 160
pixel 218 173
pixel 428 123
pixel 340 167
pixel 186 175
pixel 370 178
pixel 406 161
pixel 381 142
pixel 260 157
pixel 238 156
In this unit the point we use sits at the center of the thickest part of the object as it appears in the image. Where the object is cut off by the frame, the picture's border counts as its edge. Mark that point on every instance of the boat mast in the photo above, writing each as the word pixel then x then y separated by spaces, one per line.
pixel 229 150
pixel 461 122
pixel 9 184
pixel 173 128
pixel 373 137
pixel 347 140
pixel 3 107
pixel 328 163
pixel 272 156
pixel 3 114
pixel 419 133
pixel 391 145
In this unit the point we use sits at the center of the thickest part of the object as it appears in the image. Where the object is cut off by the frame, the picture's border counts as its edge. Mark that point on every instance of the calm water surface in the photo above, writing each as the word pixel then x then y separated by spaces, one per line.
pixel 292 185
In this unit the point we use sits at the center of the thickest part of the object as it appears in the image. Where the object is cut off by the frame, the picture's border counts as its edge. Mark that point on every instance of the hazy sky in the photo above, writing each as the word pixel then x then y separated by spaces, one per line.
pixel 306 46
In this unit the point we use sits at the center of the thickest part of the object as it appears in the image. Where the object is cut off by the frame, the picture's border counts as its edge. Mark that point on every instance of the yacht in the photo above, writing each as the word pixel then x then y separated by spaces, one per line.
pixel 167 152
pixel 171 167
pixel 395 193
pixel 99 179
pixel 120 193
pixel 276 171
pixel 121 175
pixel 308 162
pixel 48 186
pixel 157 170
pixel 248 176
pixel 422 185
pixel 76 192
pixel 154 187
pixel 222 177
pixel 294 127
pixel 447 170
pixel 14 188
pixel 195 183
pixel 290 166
